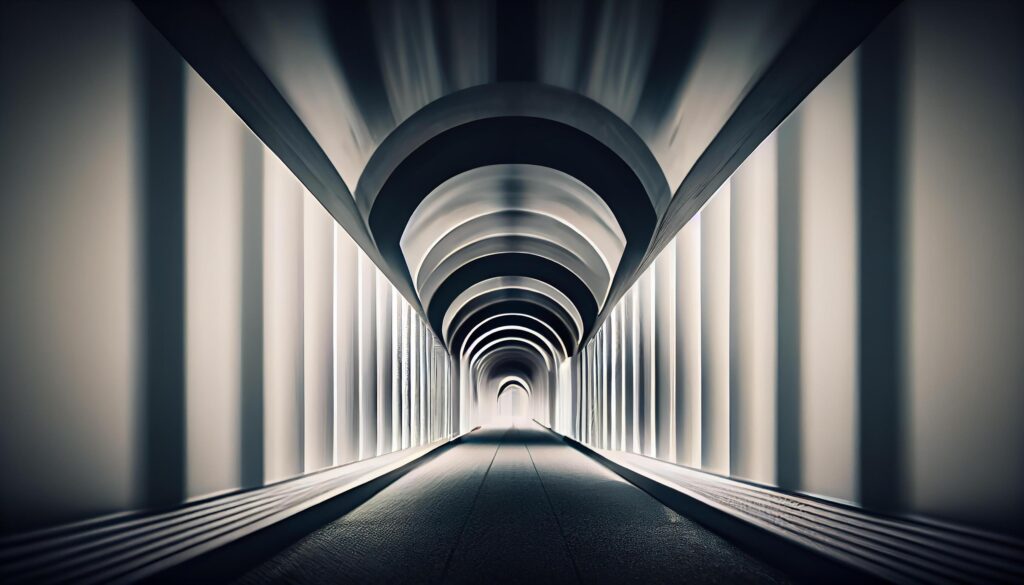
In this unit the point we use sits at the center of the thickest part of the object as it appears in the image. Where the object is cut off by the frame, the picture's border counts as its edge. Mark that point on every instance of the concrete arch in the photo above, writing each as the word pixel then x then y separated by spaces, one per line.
pixel 551 140
pixel 529 266
pixel 511 199
pixel 504 319
pixel 597 283
pixel 506 223
pixel 519 332
pixel 513 288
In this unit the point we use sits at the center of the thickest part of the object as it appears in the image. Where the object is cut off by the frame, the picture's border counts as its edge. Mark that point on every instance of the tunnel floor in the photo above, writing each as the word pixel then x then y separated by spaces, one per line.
pixel 512 504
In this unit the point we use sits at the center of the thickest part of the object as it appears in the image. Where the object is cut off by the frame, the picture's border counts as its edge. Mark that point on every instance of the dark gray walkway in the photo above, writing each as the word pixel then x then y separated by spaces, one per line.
pixel 512 505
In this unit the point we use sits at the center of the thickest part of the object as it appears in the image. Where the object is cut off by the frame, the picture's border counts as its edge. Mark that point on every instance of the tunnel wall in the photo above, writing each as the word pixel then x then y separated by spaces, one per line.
pixel 180 317
pixel 857 333
pixel 70 341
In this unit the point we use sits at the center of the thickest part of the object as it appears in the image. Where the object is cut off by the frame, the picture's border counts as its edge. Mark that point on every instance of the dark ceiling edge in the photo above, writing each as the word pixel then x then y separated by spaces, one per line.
pixel 204 37
pixel 532 103
pixel 828 35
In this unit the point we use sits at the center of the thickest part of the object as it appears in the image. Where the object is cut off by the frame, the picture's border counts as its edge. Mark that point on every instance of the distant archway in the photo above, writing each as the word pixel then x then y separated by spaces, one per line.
pixel 513 402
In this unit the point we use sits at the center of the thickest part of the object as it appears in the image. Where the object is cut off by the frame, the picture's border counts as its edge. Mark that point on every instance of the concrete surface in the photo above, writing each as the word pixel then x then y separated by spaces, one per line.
pixel 512 504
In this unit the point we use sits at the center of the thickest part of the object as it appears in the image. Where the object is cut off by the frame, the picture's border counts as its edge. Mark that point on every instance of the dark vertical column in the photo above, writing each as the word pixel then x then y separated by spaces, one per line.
pixel 788 463
pixel 251 471
pixel 162 269
pixel 880 256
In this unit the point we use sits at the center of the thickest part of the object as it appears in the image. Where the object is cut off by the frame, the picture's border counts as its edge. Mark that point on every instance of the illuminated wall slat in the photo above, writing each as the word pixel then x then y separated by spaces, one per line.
pixel 318 345
pixel 626 373
pixel 645 404
pixel 396 372
pixel 224 298
pixel 282 321
pixel 384 363
pixel 214 196
pixel 753 313
pixel 826 186
pixel 688 345
pixel 366 330
pixel 664 294
pixel 346 348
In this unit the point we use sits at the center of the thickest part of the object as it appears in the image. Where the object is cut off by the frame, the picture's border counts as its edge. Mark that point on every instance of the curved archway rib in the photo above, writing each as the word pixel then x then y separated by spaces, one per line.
pixel 510 319
pixel 512 288
pixel 513 381
pixel 511 360
pixel 539 126
pixel 532 141
pixel 516 223
pixel 595 282
pixel 510 199
pixel 512 264
pixel 517 331
pixel 511 385
pixel 549 357
pixel 497 304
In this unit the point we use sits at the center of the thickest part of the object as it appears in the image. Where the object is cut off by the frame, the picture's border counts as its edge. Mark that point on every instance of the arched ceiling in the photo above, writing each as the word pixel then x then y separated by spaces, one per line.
pixel 513 166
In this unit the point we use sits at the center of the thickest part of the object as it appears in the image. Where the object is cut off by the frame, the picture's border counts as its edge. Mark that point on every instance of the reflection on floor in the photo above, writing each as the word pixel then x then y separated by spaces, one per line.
pixel 512 504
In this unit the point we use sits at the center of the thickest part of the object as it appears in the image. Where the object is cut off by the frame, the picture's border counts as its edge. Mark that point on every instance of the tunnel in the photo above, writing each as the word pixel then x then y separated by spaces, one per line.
pixel 511 291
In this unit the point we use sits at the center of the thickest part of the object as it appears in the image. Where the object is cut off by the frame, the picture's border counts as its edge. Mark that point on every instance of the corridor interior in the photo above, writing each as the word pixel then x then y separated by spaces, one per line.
pixel 512 503
pixel 534 291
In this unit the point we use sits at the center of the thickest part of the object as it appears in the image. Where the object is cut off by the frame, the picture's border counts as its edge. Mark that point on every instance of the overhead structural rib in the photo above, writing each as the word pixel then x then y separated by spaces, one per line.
pixel 205 37
pixel 827 34
pixel 513 179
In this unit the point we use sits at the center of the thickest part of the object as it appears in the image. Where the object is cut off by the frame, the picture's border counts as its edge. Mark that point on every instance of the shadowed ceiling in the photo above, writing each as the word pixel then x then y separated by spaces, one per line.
pixel 512 166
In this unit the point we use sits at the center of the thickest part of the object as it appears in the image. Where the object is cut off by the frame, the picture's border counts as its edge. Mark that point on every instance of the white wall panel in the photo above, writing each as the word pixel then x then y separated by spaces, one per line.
pixel 346 347
pixel 646 404
pixel 688 345
pixel 753 314
pixel 630 317
pixel 828 286
pixel 366 329
pixel 214 199
pixel 282 321
pixel 318 330
pixel 665 299
pixel 965 262
pixel 714 323
pixel 70 94
pixel 384 363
